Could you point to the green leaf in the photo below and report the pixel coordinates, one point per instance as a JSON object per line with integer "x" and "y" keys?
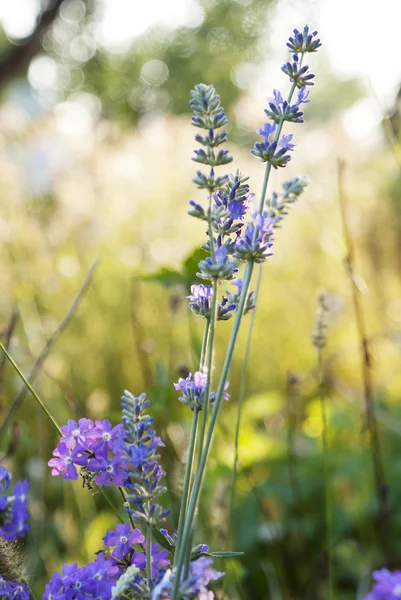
{"x": 190, "y": 266}
{"x": 166, "y": 277}
{"x": 225, "y": 554}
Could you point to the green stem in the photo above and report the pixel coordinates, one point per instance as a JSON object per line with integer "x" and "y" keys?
{"x": 204, "y": 344}
{"x": 215, "y": 413}
{"x": 30, "y": 388}
{"x": 327, "y": 492}
{"x": 208, "y": 359}
{"x": 240, "y": 403}
{"x": 187, "y": 481}
{"x": 191, "y": 449}
{"x": 149, "y": 555}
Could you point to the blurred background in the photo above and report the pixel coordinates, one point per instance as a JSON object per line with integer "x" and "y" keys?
{"x": 95, "y": 162}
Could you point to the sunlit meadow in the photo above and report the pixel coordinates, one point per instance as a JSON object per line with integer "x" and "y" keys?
{"x": 287, "y": 485}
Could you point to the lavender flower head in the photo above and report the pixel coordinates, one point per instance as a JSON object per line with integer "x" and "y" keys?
{"x": 194, "y": 390}
{"x": 193, "y": 586}
{"x": 275, "y": 150}
{"x": 13, "y": 508}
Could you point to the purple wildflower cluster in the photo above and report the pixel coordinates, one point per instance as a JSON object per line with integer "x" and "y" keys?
{"x": 93, "y": 580}
{"x": 194, "y": 390}
{"x": 13, "y": 591}
{"x": 96, "y": 448}
{"x": 200, "y": 301}
{"x": 193, "y": 586}
{"x": 387, "y": 585}
{"x": 13, "y": 514}
{"x": 131, "y": 448}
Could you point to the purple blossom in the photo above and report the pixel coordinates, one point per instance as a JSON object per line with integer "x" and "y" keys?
{"x": 16, "y": 517}
{"x": 110, "y": 470}
{"x": 14, "y": 591}
{"x": 123, "y": 540}
{"x": 159, "y": 561}
{"x": 74, "y": 433}
{"x": 194, "y": 586}
{"x": 387, "y": 585}
{"x": 63, "y": 464}
{"x": 93, "y": 580}
{"x": 267, "y": 130}
{"x": 5, "y": 479}
{"x": 97, "y": 447}
{"x": 105, "y": 436}
{"x": 285, "y": 142}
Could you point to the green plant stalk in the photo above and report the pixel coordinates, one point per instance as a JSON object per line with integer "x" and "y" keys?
{"x": 208, "y": 359}
{"x": 187, "y": 481}
{"x": 149, "y": 553}
{"x": 241, "y": 396}
{"x": 215, "y": 413}
{"x": 30, "y": 388}
{"x": 191, "y": 449}
{"x": 327, "y": 490}
{"x": 208, "y": 356}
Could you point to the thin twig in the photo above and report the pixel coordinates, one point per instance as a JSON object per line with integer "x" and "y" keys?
{"x": 319, "y": 341}
{"x": 366, "y": 365}
{"x": 46, "y": 349}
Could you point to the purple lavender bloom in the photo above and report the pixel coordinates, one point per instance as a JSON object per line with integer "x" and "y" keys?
{"x": 193, "y": 390}
{"x": 110, "y": 470}
{"x": 256, "y": 243}
{"x": 123, "y": 539}
{"x": 280, "y": 110}
{"x": 285, "y": 142}
{"x": 387, "y": 585}
{"x": 74, "y": 433}
{"x": 13, "y": 591}
{"x": 200, "y": 298}
{"x": 5, "y": 478}
{"x": 219, "y": 268}
{"x": 194, "y": 586}
{"x": 93, "y": 580}
{"x": 268, "y": 129}
{"x": 159, "y": 561}
{"x": 63, "y": 464}
{"x": 140, "y": 454}
{"x": 304, "y": 41}
{"x": 105, "y": 436}
{"x": 298, "y": 75}
{"x": 200, "y": 302}
{"x": 14, "y": 515}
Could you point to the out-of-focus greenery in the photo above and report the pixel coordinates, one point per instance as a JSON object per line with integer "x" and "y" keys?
{"x": 75, "y": 186}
